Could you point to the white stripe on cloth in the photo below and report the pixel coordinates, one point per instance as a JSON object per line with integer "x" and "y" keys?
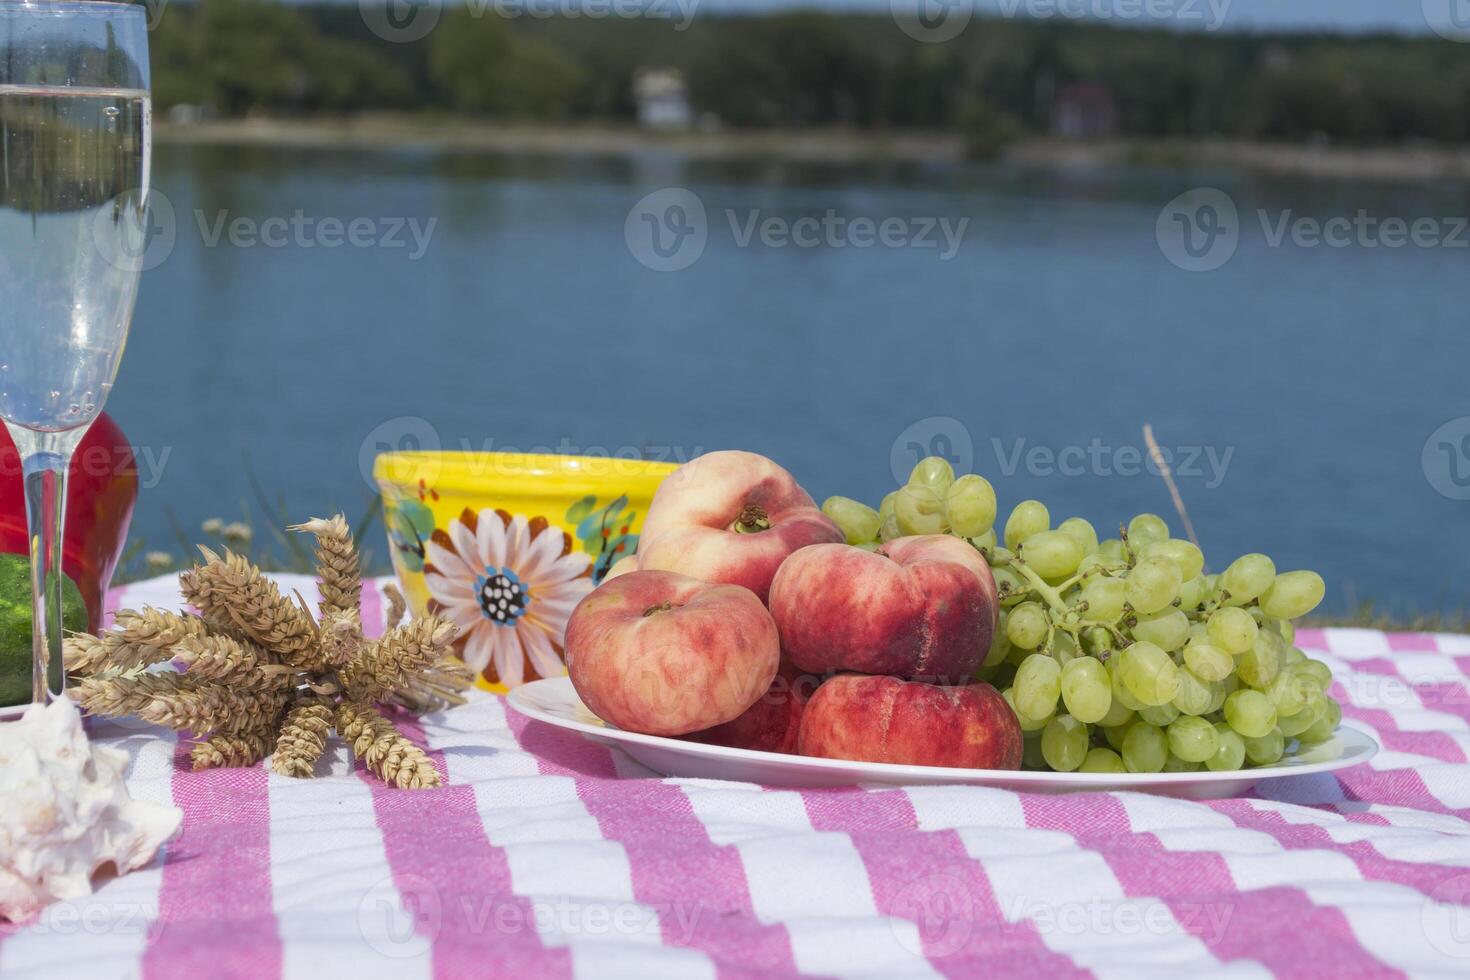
{"x": 831, "y": 919}
{"x": 559, "y": 861}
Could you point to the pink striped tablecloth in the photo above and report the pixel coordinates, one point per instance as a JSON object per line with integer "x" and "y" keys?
{"x": 548, "y": 856}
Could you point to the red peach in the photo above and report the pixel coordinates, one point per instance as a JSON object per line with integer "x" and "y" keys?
{"x": 772, "y": 723}
{"x": 730, "y": 517}
{"x": 665, "y": 654}
{"x": 917, "y": 607}
{"x": 885, "y": 719}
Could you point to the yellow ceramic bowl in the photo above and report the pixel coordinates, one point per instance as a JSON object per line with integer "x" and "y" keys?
{"x": 505, "y": 544}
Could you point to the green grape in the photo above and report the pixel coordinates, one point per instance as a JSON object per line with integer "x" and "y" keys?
{"x": 1115, "y": 734}
{"x": 1305, "y": 717}
{"x": 1326, "y": 724}
{"x": 1185, "y": 554}
{"x": 1230, "y": 755}
{"x": 1208, "y": 662}
{"x": 1145, "y": 748}
{"x": 1286, "y": 630}
{"x": 1121, "y": 694}
{"x": 1149, "y": 674}
{"x": 1104, "y": 597}
{"x": 1293, "y": 655}
{"x": 1064, "y": 743}
{"x": 1176, "y": 764}
{"x": 1027, "y": 624}
{"x": 1318, "y": 672}
{"x": 1028, "y": 724}
{"x": 1267, "y": 749}
{"x": 919, "y": 510}
{"x": 1000, "y": 643}
{"x": 1119, "y": 714}
{"x": 1152, "y": 585}
{"x": 1247, "y": 577}
{"x": 1250, "y": 713}
{"x": 1159, "y": 715}
{"x": 1193, "y": 593}
{"x": 1098, "y": 642}
{"x": 1289, "y": 693}
{"x": 1038, "y": 686}
{"x": 1293, "y": 595}
{"x": 1194, "y": 696}
{"x": 985, "y": 542}
{"x": 1080, "y": 531}
{"x": 1010, "y": 587}
{"x": 858, "y": 521}
{"x": 1114, "y": 551}
{"x": 1102, "y": 760}
{"x": 1031, "y": 754}
{"x": 1167, "y": 629}
{"x": 1052, "y": 554}
{"x": 969, "y": 503}
{"x": 1193, "y": 739}
{"x": 1145, "y": 529}
{"x": 1087, "y": 690}
{"x": 1259, "y": 665}
{"x": 1232, "y": 630}
{"x": 933, "y": 472}
{"x": 1030, "y": 517}
{"x": 1064, "y": 648}
{"x": 889, "y": 529}
{"x": 885, "y": 508}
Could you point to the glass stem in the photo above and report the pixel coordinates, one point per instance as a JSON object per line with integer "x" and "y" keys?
{"x": 45, "y": 459}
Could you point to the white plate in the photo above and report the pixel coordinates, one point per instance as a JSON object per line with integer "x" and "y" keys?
{"x": 555, "y": 702}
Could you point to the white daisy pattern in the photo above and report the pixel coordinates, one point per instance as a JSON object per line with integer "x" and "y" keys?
{"x": 510, "y": 585}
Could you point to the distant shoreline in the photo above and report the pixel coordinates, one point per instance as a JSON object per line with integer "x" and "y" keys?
{"x": 826, "y": 146}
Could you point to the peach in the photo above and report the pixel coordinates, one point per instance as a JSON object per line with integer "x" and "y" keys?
{"x": 885, "y": 719}
{"x": 730, "y": 517}
{"x": 665, "y": 654}
{"x": 624, "y": 565}
{"x": 917, "y": 607}
{"x": 772, "y": 723}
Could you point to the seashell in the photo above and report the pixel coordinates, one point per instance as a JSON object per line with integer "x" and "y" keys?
{"x": 66, "y": 812}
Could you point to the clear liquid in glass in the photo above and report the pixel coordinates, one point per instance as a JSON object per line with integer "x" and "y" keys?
{"x": 73, "y": 232}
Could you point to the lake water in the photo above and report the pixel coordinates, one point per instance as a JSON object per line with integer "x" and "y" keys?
{"x": 1297, "y": 385}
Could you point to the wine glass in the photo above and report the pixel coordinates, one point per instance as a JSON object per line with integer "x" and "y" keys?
{"x": 74, "y": 160}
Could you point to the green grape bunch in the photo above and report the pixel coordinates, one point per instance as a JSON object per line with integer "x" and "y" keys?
{"x": 1124, "y": 654}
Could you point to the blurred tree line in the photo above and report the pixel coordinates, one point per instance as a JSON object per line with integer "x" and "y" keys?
{"x": 999, "y": 79}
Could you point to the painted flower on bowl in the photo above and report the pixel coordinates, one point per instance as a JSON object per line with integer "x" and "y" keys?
{"x": 509, "y": 584}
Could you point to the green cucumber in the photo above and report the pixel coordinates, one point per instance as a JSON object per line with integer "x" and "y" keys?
{"x": 15, "y": 626}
